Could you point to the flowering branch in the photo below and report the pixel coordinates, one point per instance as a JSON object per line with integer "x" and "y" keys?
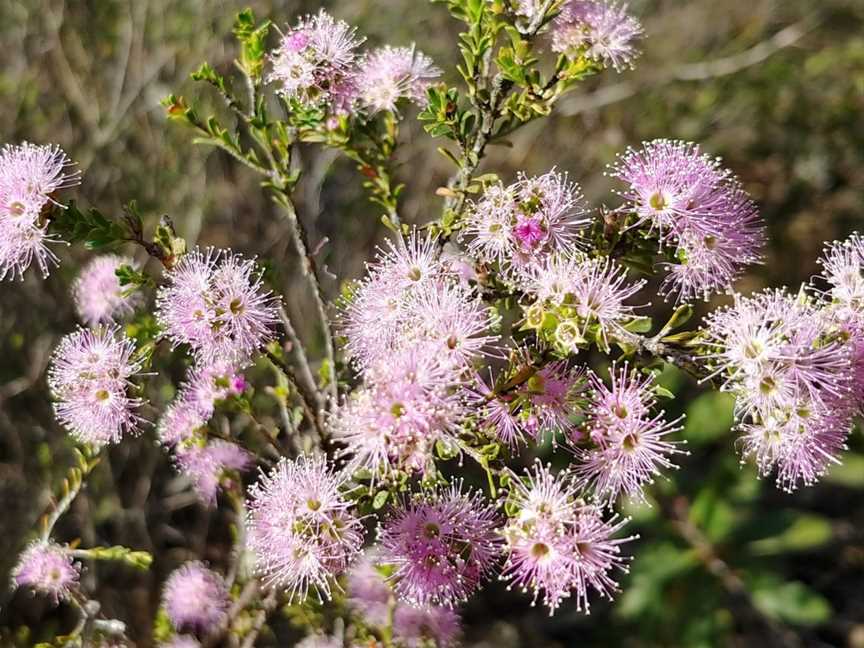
{"x": 474, "y": 335}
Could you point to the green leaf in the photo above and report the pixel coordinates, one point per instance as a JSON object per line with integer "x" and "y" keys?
{"x": 713, "y": 514}
{"x": 380, "y": 499}
{"x": 654, "y": 566}
{"x": 639, "y": 325}
{"x": 91, "y": 227}
{"x": 662, "y": 392}
{"x": 792, "y": 602}
{"x": 253, "y": 46}
{"x": 679, "y": 318}
{"x": 709, "y": 417}
{"x": 805, "y": 532}
{"x": 137, "y": 559}
{"x": 849, "y": 473}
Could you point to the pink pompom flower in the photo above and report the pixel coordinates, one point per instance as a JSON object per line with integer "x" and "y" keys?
{"x": 793, "y": 379}
{"x": 314, "y": 59}
{"x": 602, "y": 30}
{"x": 195, "y": 598}
{"x": 301, "y": 528}
{"x": 99, "y": 297}
{"x": 47, "y": 568}
{"x": 30, "y": 176}
{"x": 215, "y": 302}
{"x": 207, "y": 466}
{"x": 557, "y": 544}
{"x": 442, "y": 545}
{"x": 523, "y": 224}
{"x": 409, "y": 402}
{"x": 629, "y": 444}
{"x": 390, "y": 74}
{"x": 90, "y": 378}
{"x": 697, "y": 208}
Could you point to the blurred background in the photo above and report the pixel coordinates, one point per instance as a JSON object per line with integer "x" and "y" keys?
{"x": 776, "y": 87}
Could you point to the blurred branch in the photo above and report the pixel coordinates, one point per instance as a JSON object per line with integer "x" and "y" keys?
{"x": 268, "y": 606}
{"x": 692, "y": 71}
{"x": 678, "y": 511}
{"x": 39, "y": 356}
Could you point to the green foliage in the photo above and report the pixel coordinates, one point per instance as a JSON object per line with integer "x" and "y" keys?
{"x": 252, "y": 37}
{"x": 709, "y": 417}
{"x": 89, "y": 227}
{"x": 792, "y": 602}
{"x": 138, "y": 559}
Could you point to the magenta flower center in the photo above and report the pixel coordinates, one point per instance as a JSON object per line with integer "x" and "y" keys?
{"x": 297, "y": 41}
{"x": 530, "y": 233}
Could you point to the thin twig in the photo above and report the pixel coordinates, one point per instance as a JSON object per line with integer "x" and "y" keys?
{"x": 312, "y": 413}
{"x": 309, "y": 270}
{"x": 300, "y": 356}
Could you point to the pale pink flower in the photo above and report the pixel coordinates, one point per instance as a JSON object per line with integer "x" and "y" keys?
{"x": 98, "y": 295}
{"x": 390, "y": 74}
{"x": 629, "y": 445}
{"x": 313, "y": 60}
{"x": 47, "y": 568}
{"x": 90, "y": 378}
{"x": 215, "y": 302}
{"x": 557, "y": 545}
{"x": 409, "y": 403}
{"x": 30, "y": 177}
{"x": 527, "y": 222}
{"x": 208, "y": 466}
{"x": 442, "y": 545}
{"x": 301, "y": 528}
{"x": 602, "y": 29}
{"x": 195, "y": 598}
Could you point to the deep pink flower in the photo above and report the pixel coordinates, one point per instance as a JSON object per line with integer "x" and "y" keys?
{"x": 442, "y": 546}
{"x": 523, "y": 224}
